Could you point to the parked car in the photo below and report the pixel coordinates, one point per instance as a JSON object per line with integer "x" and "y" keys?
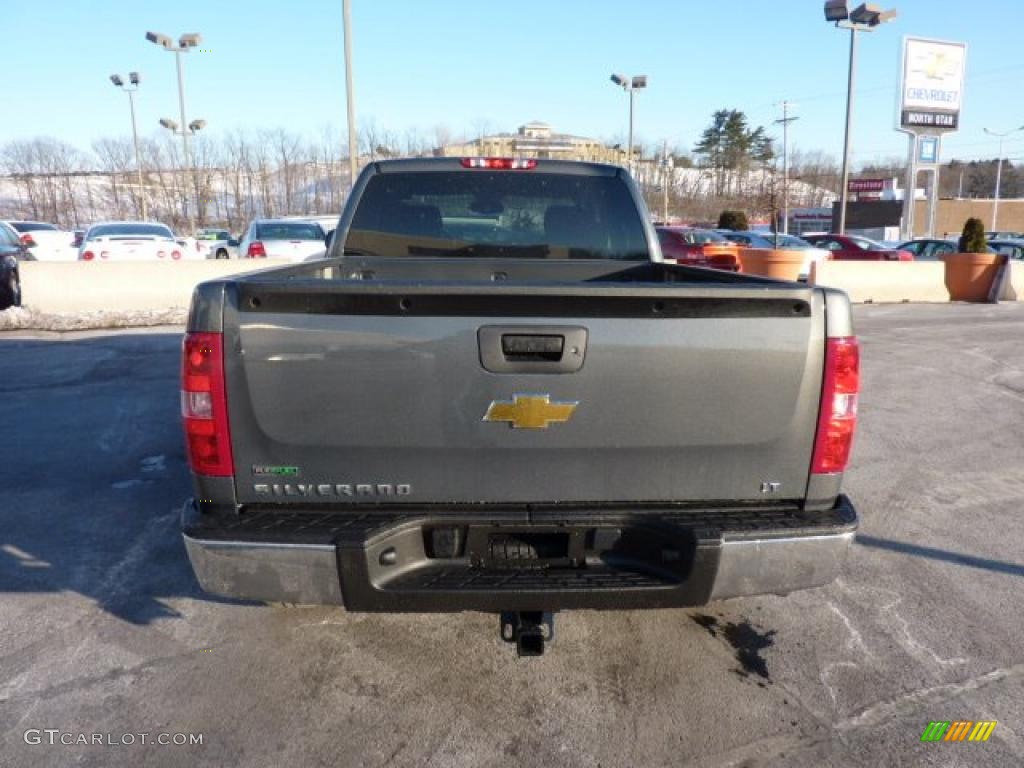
{"x": 46, "y": 241}
{"x": 1014, "y": 248}
{"x": 855, "y": 248}
{"x": 751, "y": 239}
{"x": 13, "y": 251}
{"x": 129, "y": 241}
{"x": 698, "y": 248}
{"x": 291, "y": 239}
{"x": 216, "y": 244}
{"x": 928, "y": 249}
{"x": 1004, "y": 234}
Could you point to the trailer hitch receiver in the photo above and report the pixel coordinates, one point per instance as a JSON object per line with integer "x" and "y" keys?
{"x": 529, "y": 630}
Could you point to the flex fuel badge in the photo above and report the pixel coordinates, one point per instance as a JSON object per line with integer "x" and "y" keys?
{"x": 267, "y": 470}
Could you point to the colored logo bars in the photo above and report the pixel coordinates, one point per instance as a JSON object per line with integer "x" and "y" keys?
{"x": 958, "y": 730}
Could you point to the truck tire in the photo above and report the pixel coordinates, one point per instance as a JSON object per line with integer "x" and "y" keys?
{"x": 222, "y": 253}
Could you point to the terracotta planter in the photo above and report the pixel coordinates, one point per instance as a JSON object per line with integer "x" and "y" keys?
{"x": 781, "y": 263}
{"x": 969, "y": 276}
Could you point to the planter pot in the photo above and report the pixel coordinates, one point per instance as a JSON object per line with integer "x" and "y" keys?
{"x": 781, "y": 263}
{"x": 969, "y": 276}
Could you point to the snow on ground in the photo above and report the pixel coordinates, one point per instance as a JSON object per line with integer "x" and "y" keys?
{"x": 26, "y": 318}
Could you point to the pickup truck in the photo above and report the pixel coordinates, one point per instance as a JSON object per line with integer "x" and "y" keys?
{"x": 493, "y": 395}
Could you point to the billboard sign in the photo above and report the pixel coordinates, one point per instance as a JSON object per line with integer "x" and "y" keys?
{"x": 865, "y": 185}
{"x": 931, "y": 85}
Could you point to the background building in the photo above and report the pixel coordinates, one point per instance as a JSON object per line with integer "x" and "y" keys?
{"x": 536, "y": 139}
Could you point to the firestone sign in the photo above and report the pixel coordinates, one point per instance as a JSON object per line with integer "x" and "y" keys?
{"x": 931, "y": 84}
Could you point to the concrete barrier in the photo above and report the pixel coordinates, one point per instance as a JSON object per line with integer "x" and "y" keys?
{"x": 83, "y": 286}
{"x": 1013, "y": 288}
{"x": 900, "y": 281}
{"x": 884, "y": 281}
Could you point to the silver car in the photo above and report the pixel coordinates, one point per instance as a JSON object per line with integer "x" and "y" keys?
{"x": 282, "y": 239}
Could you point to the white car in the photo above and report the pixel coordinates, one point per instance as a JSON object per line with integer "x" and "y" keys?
{"x": 130, "y": 241}
{"x": 292, "y": 239}
{"x": 215, "y": 244}
{"x": 47, "y": 242}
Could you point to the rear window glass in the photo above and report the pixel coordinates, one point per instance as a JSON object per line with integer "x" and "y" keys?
{"x": 146, "y": 230}
{"x": 513, "y": 214}
{"x": 33, "y": 226}
{"x": 288, "y": 231}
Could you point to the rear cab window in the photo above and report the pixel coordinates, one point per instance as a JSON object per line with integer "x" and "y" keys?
{"x": 514, "y": 214}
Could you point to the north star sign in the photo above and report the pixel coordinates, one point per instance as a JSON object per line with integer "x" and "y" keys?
{"x": 931, "y": 90}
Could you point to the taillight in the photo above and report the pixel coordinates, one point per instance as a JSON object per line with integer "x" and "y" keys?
{"x": 27, "y": 240}
{"x": 204, "y": 405}
{"x": 499, "y": 163}
{"x": 88, "y": 256}
{"x": 256, "y": 250}
{"x": 837, "y": 419}
{"x": 175, "y": 255}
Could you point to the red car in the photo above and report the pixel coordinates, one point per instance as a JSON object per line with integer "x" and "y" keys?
{"x": 698, "y": 248}
{"x": 853, "y": 248}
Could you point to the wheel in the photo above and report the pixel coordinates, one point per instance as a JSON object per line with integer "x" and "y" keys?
{"x": 11, "y": 295}
{"x": 222, "y": 253}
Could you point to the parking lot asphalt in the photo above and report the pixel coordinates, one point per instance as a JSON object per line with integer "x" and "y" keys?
{"x": 103, "y": 629}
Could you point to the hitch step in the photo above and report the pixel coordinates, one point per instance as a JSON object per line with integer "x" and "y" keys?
{"x": 529, "y": 630}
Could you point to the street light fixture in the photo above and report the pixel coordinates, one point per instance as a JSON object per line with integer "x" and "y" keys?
{"x": 134, "y": 79}
{"x": 864, "y": 18}
{"x": 631, "y": 85}
{"x": 999, "y": 170}
{"x": 185, "y": 43}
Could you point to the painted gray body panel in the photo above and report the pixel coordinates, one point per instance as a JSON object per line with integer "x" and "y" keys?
{"x": 684, "y": 409}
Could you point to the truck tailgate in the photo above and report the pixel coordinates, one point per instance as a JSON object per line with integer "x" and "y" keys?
{"x": 686, "y": 393}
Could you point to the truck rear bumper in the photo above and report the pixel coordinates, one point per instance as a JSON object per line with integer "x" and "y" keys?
{"x": 389, "y": 561}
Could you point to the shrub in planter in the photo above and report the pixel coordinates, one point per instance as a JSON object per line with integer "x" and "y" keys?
{"x": 734, "y": 220}
{"x": 969, "y": 274}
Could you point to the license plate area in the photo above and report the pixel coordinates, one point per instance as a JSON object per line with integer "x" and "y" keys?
{"x": 502, "y": 548}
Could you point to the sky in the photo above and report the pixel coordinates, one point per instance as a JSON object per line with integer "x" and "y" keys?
{"x": 475, "y": 66}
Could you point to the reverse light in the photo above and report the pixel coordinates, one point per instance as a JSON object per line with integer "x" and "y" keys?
{"x": 204, "y": 405}
{"x": 500, "y": 163}
{"x": 256, "y": 250}
{"x": 837, "y": 419}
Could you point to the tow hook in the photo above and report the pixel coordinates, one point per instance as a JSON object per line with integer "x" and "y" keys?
{"x": 529, "y": 630}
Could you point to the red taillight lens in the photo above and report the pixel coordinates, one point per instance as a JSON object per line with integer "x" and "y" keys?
{"x": 837, "y": 419}
{"x": 204, "y": 405}
{"x": 27, "y": 240}
{"x": 499, "y": 163}
{"x": 256, "y": 250}
{"x": 88, "y": 256}
{"x": 175, "y": 255}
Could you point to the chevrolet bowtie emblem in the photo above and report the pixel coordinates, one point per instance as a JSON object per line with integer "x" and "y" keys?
{"x": 530, "y": 411}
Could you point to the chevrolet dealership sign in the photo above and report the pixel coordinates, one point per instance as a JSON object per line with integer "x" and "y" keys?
{"x": 931, "y": 85}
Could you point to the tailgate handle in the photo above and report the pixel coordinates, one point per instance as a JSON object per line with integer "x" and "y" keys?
{"x": 532, "y": 347}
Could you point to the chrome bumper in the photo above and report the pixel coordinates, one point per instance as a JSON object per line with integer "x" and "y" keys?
{"x": 311, "y": 574}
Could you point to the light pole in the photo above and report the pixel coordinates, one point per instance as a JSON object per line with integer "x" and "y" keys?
{"x": 350, "y": 96}
{"x": 864, "y": 18}
{"x": 785, "y": 120}
{"x": 191, "y": 130}
{"x": 133, "y": 78}
{"x": 631, "y": 85}
{"x": 999, "y": 170}
{"x": 185, "y": 43}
